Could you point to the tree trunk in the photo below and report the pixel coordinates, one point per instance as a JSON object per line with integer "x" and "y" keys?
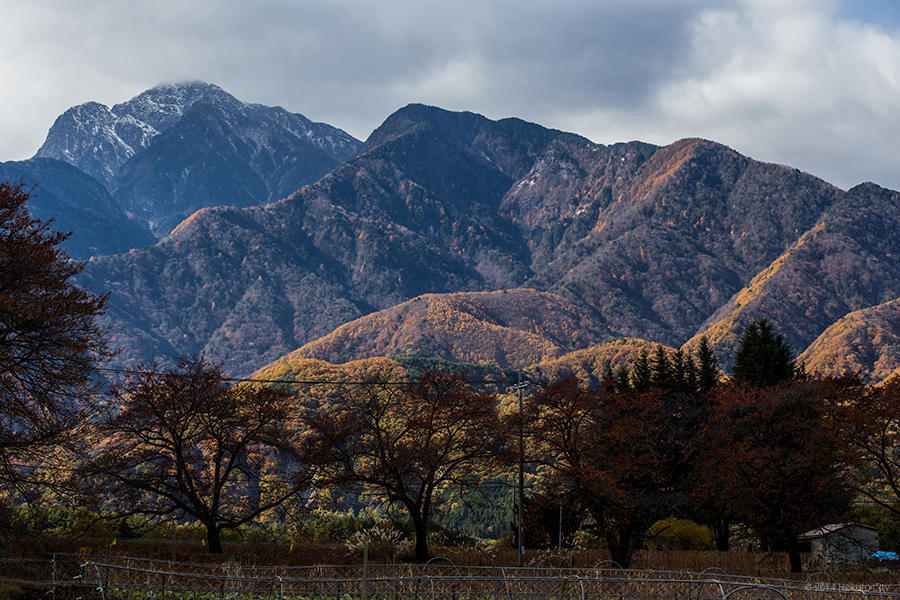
{"x": 619, "y": 545}
{"x": 721, "y": 531}
{"x": 421, "y": 527}
{"x": 213, "y": 539}
{"x": 794, "y": 556}
{"x": 620, "y": 554}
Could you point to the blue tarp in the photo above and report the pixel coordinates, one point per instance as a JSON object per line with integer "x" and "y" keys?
{"x": 883, "y": 555}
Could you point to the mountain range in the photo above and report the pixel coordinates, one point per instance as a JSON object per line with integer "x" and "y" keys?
{"x": 453, "y": 235}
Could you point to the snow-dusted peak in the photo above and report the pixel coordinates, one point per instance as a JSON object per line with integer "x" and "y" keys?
{"x": 90, "y": 137}
{"x": 88, "y": 110}
{"x": 162, "y": 106}
{"x": 332, "y": 140}
{"x": 99, "y": 140}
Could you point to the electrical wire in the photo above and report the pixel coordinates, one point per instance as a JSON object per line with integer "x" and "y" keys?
{"x": 315, "y": 381}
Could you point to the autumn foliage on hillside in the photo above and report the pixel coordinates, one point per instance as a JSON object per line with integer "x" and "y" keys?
{"x": 507, "y": 328}
{"x": 866, "y": 341}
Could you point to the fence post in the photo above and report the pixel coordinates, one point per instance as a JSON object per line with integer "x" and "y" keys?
{"x": 365, "y": 568}
{"x": 280, "y": 587}
{"x": 53, "y": 577}
{"x": 100, "y": 582}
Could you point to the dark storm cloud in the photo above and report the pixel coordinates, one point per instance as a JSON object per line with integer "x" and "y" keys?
{"x": 813, "y": 83}
{"x": 353, "y": 62}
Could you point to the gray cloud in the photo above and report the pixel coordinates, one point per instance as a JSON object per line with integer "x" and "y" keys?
{"x": 797, "y": 82}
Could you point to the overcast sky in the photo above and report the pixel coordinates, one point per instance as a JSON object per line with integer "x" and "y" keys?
{"x": 811, "y": 83}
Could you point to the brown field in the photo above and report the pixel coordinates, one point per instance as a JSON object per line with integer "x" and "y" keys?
{"x": 259, "y": 553}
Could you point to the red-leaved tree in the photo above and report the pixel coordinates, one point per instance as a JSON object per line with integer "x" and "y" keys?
{"x": 773, "y": 459}
{"x": 50, "y": 342}
{"x": 184, "y": 443}
{"x": 872, "y": 430}
{"x": 609, "y": 451}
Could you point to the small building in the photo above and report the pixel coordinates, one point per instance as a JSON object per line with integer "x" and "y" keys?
{"x": 840, "y": 543}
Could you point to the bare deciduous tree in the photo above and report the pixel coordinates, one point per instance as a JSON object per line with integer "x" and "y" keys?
{"x": 184, "y": 443}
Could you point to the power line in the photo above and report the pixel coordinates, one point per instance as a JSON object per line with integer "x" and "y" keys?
{"x": 313, "y": 381}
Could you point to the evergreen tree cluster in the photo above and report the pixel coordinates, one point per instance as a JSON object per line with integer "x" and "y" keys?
{"x": 675, "y": 371}
{"x": 764, "y": 358}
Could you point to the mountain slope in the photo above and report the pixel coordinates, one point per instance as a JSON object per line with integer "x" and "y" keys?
{"x": 655, "y": 240}
{"x": 647, "y": 241}
{"x": 78, "y": 203}
{"x": 846, "y": 262}
{"x": 92, "y": 138}
{"x": 865, "y": 341}
{"x": 413, "y": 215}
{"x": 509, "y": 328}
{"x": 98, "y": 140}
{"x": 226, "y": 153}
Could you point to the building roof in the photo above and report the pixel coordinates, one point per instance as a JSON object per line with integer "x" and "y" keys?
{"x": 830, "y": 529}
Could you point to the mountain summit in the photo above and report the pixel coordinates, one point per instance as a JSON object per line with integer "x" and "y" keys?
{"x": 176, "y": 148}
{"x": 98, "y": 140}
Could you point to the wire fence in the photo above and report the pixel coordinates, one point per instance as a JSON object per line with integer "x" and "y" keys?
{"x": 69, "y": 577}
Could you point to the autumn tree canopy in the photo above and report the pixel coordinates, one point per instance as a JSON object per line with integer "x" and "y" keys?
{"x": 871, "y": 424}
{"x": 773, "y": 458}
{"x": 607, "y": 450}
{"x": 409, "y": 442}
{"x": 184, "y": 443}
{"x": 50, "y": 342}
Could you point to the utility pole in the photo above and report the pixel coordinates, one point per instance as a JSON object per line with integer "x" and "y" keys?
{"x": 559, "y": 545}
{"x": 520, "y": 387}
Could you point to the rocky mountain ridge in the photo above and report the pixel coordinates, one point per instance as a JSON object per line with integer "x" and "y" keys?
{"x": 290, "y": 229}
{"x": 844, "y": 263}
{"x": 98, "y": 139}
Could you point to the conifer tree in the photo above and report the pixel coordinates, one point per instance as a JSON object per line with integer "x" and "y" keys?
{"x": 708, "y": 369}
{"x": 661, "y": 377}
{"x": 763, "y": 358}
{"x": 641, "y": 376}
{"x": 691, "y": 377}
{"x": 678, "y": 379}
{"x": 622, "y": 384}
{"x": 609, "y": 378}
